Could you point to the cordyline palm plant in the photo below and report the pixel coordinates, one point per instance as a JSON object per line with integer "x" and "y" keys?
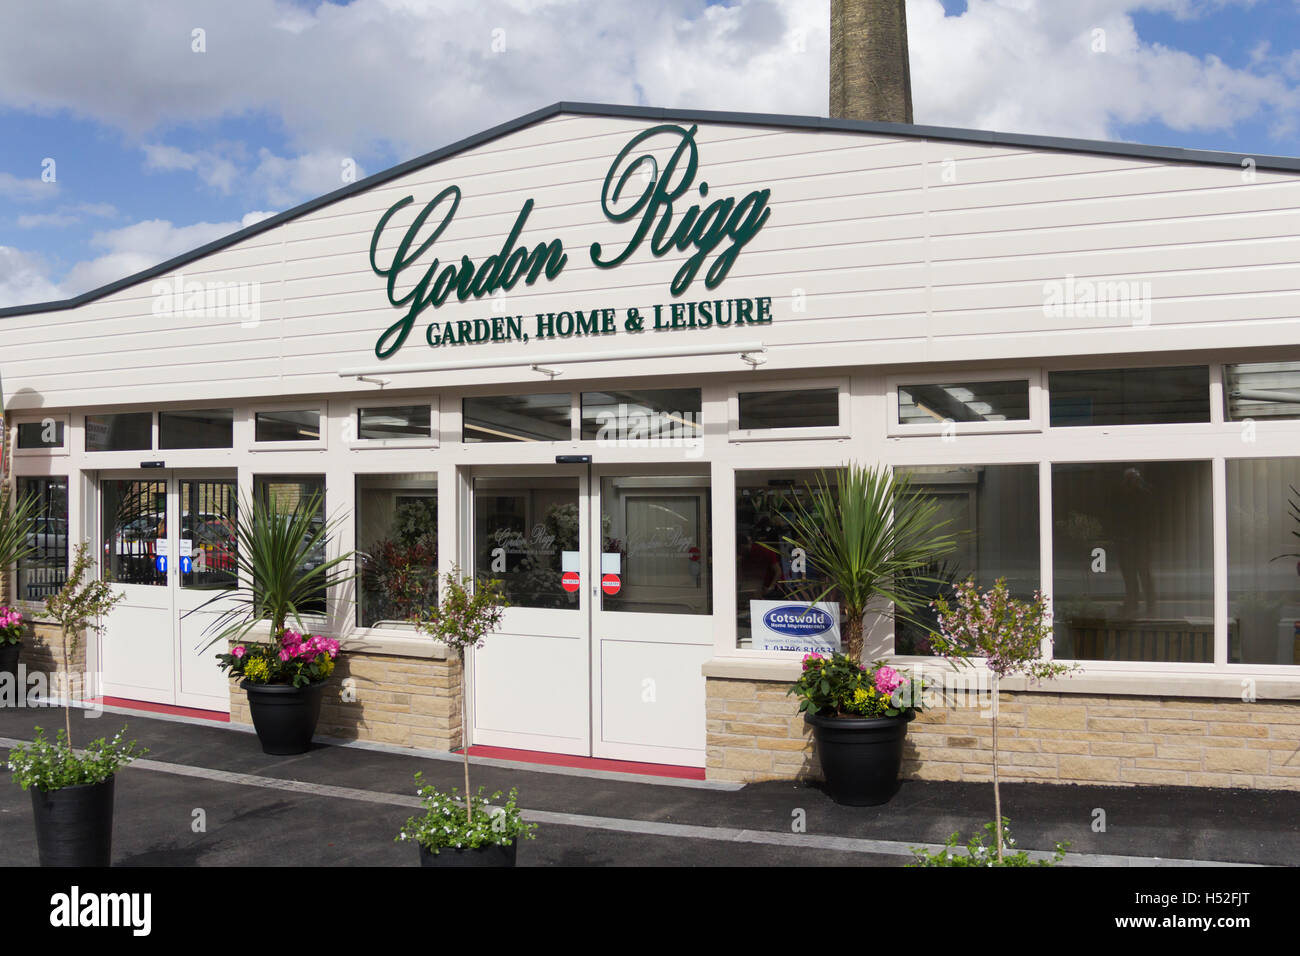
{"x": 872, "y": 538}
{"x": 15, "y": 527}
{"x": 275, "y": 552}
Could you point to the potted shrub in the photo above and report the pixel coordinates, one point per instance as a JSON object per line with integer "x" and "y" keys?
{"x": 873, "y": 540}
{"x": 453, "y": 831}
{"x": 859, "y": 716}
{"x": 72, "y": 791}
{"x": 15, "y": 544}
{"x": 282, "y": 573}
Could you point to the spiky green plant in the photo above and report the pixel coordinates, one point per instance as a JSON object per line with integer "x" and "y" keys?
{"x": 16, "y": 518}
{"x": 872, "y": 539}
{"x": 278, "y": 579}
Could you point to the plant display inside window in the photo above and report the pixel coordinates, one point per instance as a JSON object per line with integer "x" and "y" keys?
{"x": 399, "y": 572}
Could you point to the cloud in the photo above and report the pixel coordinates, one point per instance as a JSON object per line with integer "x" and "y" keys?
{"x": 24, "y": 278}
{"x": 24, "y": 190}
{"x": 67, "y": 215}
{"x": 218, "y": 166}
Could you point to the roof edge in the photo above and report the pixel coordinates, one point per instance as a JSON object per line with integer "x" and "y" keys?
{"x": 721, "y": 117}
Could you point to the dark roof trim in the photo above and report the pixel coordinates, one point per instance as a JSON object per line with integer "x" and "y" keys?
{"x": 807, "y": 123}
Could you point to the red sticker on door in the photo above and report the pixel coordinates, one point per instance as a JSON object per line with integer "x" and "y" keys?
{"x": 570, "y": 581}
{"x": 611, "y": 584}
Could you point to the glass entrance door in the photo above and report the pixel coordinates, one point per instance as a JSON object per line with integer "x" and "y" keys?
{"x": 168, "y": 545}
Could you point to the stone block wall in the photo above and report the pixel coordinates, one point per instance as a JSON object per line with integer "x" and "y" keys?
{"x": 404, "y": 701}
{"x": 755, "y": 734}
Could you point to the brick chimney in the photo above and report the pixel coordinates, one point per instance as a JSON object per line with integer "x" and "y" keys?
{"x": 870, "y": 78}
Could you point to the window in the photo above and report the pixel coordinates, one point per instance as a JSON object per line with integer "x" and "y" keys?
{"x": 1264, "y": 561}
{"x": 44, "y": 571}
{"x": 1134, "y": 561}
{"x": 133, "y": 522}
{"x": 1262, "y": 391}
{"x": 657, "y": 539}
{"x": 297, "y": 426}
{"x": 394, "y": 422}
{"x": 206, "y": 428}
{"x": 1135, "y": 396}
{"x": 768, "y": 572}
{"x": 646, "y": 415}
{"x": 788, "y": 408}
{"x": 47, "y": 433}
{"x": 1003, "y": 401}
{"x": 286, "y": 493}
{"x": 517, "y": 418}
{"x": 397, "y": 547}
{"x": 993, "y": 511}
{"x": 526, "y": 536}
{"x": 129, "y": 432}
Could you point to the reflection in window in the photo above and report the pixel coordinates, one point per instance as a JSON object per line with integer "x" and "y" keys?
{"x": 129, "y": 432}
{"x": 793, "y": 408}
{"x": 1262, "y": 391}
{"x": 1134, "y": 563}
{"x": 209, "y": 517}
{"x": 397, "y": 547}
{"x": 655, "y": 538}
{"x": 44, "y": 434}
{"x": 517, "y": 418}
{"x": 645, "y": 415}
{"x": 765, "y": 566}
{"x": 134, "y": 524}
{"x": 396, "y": 421}
{"x": 993, "y": 511}
{"x": 285, "y": 494}
{"x": 963, "y": 402}
{"x": 205, "y": 428}
{"x": 1264, "y": 561}
{"x": 287, "y": 426}
{"x": 44, "y": 571}
{"x": 1131, "y": 396}
{"x": 523, "y": 529}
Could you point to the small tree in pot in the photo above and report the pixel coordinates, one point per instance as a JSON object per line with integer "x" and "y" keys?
{"x": 454, "y": 831}
{"x": 872, "y": 539}
{"x": 283, "y": 573}
{"x": 72, "y": 791}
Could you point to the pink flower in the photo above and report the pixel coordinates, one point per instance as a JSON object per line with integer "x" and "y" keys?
{"x": 240, "y": 651}
{"x": 888, "y": 680}
{"x": 285, "y": 654}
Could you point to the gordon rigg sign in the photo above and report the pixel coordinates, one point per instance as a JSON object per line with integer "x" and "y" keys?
{"x": 717, "y": 227}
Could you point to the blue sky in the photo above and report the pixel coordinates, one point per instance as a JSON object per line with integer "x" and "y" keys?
{"x": 159, "y": 147}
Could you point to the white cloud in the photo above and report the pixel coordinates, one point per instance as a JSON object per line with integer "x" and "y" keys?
{"x": 24, "y": 279}
{"x": 66, "y": 215}
{"x": 11, "y": 187}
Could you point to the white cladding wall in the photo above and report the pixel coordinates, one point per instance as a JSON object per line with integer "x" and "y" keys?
{"x": 878, "y": 251}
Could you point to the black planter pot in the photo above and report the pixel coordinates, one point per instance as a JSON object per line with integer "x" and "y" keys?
{"x": 860, "y": 756}
{"x": 74, "y": 825}
{"x": 492, "y": 855}
{"x": 9, "y": 665}
{"x": 284, "y": 716}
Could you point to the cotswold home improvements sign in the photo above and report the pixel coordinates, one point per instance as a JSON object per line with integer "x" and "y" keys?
{"x": 723, "y": 225}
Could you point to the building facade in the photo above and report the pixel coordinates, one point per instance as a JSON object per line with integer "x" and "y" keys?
{"x": 594, "y": 352}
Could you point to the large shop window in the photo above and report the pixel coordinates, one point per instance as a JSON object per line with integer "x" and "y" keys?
{"x": 524, "y": 531}
{"x": 287, "y": 492}
{"x": 132, "y": 431}
{"x": 1264, "y": 561}
{"x": 397, "y": 547}
{"x": 1262, "y": 391}
{"x": 1131, "y": 396}
{"x": 993, "y": 511}
{"x": 769, "y": 572}
{"x": 646, "y": 415}
{"x": 44, "y": 571}
{"x": 1133, "y": 544}
{"x": 204, "y": 428}
{"x": 499, "y": 418}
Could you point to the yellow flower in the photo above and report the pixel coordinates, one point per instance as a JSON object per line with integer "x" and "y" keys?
{"x": 256, "y": 670}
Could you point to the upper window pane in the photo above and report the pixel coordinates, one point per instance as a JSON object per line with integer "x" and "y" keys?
{"x": 1133, "y": 574}
{"x": 641, "y": 415}
{"x": 517, "y": 418}
{"x": 1264, "y": 561}
{"x": 1264, "y": 390}
{"x": 396, "y": 421}
{"x": 129, "y": 432}
{"x": 799, "y": 408}
{"x": 1132, "y": 396}
{"x": 288, "y": 426}
{"x": 397, "y": 547}
{"x": 964, "y": 402}
{"x": 205, "y": 428}
{"x": 44, "y": 434}
{"x": 44, "y": 571}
